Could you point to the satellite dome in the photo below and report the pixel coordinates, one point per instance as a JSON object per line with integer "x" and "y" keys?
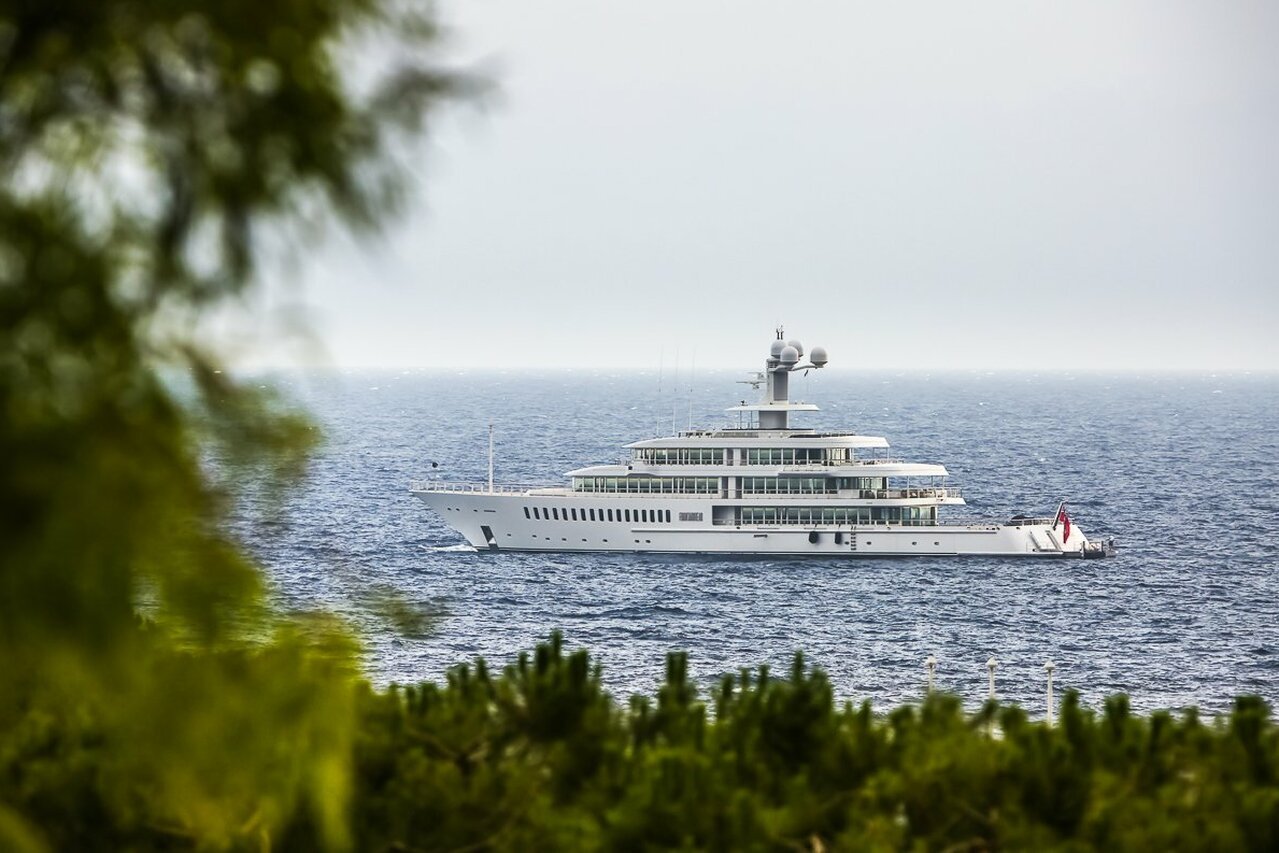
{"x": 789, "y": 355}
{"x": 818, "y": 356}
{"x": 799, "y": 348}
{"x": 776, "y": 350}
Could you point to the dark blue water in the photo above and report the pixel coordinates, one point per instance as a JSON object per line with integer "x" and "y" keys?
{"x": 1180, "y": 469}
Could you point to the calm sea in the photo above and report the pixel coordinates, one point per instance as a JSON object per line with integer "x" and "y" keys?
{"x": 1181, "y": 470}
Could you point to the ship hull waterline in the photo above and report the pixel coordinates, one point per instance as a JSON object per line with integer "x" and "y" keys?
{"x": 499, "y": 522}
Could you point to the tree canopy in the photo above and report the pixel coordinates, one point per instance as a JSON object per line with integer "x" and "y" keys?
{"x": 147, "y": 148}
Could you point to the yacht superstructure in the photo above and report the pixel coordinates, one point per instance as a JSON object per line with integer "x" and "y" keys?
{"x": 762, "y": 487}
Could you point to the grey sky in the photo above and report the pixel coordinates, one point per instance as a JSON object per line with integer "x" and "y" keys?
{"x": 1015, "y": 184}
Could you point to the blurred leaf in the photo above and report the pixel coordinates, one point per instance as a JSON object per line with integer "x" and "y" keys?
{"x": 410, "y": 619}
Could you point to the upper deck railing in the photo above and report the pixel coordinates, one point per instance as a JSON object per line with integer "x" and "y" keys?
{"x": 735, "y": 494}
{"x": 479, "y": 488}
{"x": 855, "y": 494}
{"x": 784, "y": 466}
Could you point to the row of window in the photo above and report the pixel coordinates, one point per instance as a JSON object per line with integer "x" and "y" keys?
{"x": 809, "y": 485}
{"x": 908, "y": 515}
{"x": 754, "y": 455}
{"x": 680, "y": 455}
{"x": 794, "y": 455}
{"x": 648, "y": 485}
{"x": 788, "y": 485}
{"x": 641, "y": 516}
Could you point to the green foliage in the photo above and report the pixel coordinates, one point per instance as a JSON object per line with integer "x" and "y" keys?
{"x": 147, "y": 148}
{"x": 148, "y": 698}
{"x": 408, "y": 618}
{"x": 538, "y": 757}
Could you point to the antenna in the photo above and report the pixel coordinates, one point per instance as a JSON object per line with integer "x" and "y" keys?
{"x": 692, "y": 373}
{"x": 661, "y": 362}
{"x": 675, "y": 397}
{"x": 490, "y": 457}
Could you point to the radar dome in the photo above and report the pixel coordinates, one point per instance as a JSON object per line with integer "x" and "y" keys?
{"x": 776, "y": 350}
{"x": 799, "y": 348}
{"x": 818, "y": 356}
{"x": 789, "y": 355}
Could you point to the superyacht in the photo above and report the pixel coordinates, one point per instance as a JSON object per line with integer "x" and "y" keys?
{"x": 760, "y": 487}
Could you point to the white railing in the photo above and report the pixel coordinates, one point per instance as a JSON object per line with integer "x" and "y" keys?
{"x": 483, "y": 488}
{"x": 857, "y": 494}
{"x": 613, "y": 493}
{"x": 783, "y": 466}
{"x": 737, "y": 494}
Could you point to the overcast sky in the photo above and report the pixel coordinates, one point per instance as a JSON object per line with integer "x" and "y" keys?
{"x": 952, "y": 185}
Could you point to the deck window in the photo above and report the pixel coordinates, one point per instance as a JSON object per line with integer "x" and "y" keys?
{"x": 680, "y": 455}
{"x": 906, "y": 516}
{"x": 787, "y": 485}
{"x": 648, "y": 485}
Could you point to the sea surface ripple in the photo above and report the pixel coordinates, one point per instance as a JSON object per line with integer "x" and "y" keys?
{"x": 1180, "y": 469}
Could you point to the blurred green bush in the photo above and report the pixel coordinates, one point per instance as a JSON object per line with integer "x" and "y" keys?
{"x": 149, "y": 700}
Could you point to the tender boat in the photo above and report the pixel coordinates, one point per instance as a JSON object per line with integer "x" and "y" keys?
{"x": 761, "y": 487}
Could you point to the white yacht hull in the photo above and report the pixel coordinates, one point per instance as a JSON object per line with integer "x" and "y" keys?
{"x": 498, "y": 521}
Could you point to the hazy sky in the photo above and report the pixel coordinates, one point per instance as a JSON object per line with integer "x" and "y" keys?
{"x": 951, "y": 185}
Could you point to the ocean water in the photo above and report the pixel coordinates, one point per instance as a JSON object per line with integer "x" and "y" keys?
{"x": 1180, "y": 469}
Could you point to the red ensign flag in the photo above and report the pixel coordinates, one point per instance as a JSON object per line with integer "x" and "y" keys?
{"x": 1064, "y": 521}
